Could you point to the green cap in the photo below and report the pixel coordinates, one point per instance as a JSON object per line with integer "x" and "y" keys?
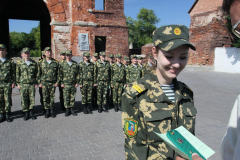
{"x": 139, "y": 57}
{"x": 2, "y": 46}
{"x": 62, "y": 52}
{"x": 102, "y": 54}
{"x": 95, "y": 54}
{"x": 150, "y": 56}
{"x": 43, "y": 53}
{"x": 68, "y": 52}
{"x": 26, "y": 49}
{"x": 111, "y": 56}
{"x": 118, "y": 55}
{"x": 133, "y": 56}
{"x": 126, "y": 58}
{"x": 48, "y": 49}
{"x": 171, "y": 36}
{"x": 86, "y": 54}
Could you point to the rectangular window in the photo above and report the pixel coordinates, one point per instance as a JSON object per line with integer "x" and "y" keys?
{"x": 100, "y": 5}
{"x": 100, "y": 44}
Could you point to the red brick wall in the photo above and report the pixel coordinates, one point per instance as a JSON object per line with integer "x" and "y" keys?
{"x": 206, "y": 6}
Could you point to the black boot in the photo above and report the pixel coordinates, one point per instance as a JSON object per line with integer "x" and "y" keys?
{"x": 89, "y": 108}
{"x": 73, "y": 112}
{"x": 85, "y": 109}
{"x": 99, "y": 109}
{"x": 116, "y": 107}
{"x": 47, "y": 114}
{"x": 67, "y": 113}
{"x": 8, "y": 119}
{"x": 26, "y": 116}
{"x": 53, "y": 115}
{"x": 105, "y": 108}
{"x": 2, "y": 117}
{"x": 32, "y": 114}
{"x": 119, "y": 107}
{"x": 43, "y": 110}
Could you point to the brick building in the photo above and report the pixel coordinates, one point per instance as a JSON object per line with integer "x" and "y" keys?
{"x": 207, "y": 31}
{"x": 66, "y": 23}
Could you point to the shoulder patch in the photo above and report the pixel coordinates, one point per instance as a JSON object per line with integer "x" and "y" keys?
{"x": 130, "y": 127}
{"x": 135, "y": 89}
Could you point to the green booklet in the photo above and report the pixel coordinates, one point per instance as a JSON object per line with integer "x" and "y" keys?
{"x": 185, "y": 143}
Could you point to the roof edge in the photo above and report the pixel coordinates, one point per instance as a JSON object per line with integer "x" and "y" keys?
{"x": 190, "y": 10}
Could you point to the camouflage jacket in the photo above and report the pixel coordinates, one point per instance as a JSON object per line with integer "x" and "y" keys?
{"x": 7, "y": 71}
{"x": 118, "y": 74}
{"x": 147, "y": 69}
{"x": 102, "y": 72}
{"x": 26, "y": 74}
{"x": 141, "y": 69}
{"x": 69, "y": 74}
{"x": 48, "y": 72}
{"x": 146, "y": 109}
{"x": 86, "y": 72}
{"x": 133, "y": 74}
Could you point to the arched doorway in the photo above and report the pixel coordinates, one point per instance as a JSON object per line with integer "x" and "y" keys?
{"x": 27, "y": 10}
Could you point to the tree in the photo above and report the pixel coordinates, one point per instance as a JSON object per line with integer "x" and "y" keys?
{"x": 140, "y": 30}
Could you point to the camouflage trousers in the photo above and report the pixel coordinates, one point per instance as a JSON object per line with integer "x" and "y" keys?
{"x": 48, "y": 91}
{"x": 117, "y": 92}
{"x": 102, "y": 89}
{"x": 69, "y": 94}
{"x": 61, "y": 95}
{"x": 27, "y": 96}
{"x": 5, "y": 97}
{"x": 41, "y": 96}
{"x": 86, "y": 92}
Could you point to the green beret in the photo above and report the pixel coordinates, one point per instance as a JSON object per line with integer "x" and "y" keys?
{"x": 2, "y": 46}
{"x": 102, "y": 54}
{"x": 48, "y": 49}
{"x": 133, "y": 56}
{"x": 69, "y": 52}
{"x": 26, "y": 49}
{"x": 86, "y": 54}
{"x": 171, "y": 36}
{"x": 62, "y": 52}
{"x": 150, "y": 56}
{"x": 111, "y": 56}
{"x": 118, "y": 55}
{"x": 139, "y": 57}
{"x": 95, "y": 54}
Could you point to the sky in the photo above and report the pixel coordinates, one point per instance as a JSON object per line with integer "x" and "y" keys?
{"x": 169, "y": 12}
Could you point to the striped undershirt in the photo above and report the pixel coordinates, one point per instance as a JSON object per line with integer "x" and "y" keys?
{"x": 169, "y": 91}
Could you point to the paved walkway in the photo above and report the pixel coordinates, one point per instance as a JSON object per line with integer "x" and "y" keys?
{"x": 99, "y": 136}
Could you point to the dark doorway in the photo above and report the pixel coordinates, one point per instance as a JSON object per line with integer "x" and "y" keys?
{"x": 100, "y": 44}
{"x": 26, "y": 10}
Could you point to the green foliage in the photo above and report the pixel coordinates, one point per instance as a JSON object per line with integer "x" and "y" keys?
{"x": 35, "y": 53}
{"x": 21, "y": 40}
{"x": 140, "y": 30}
{"x": 236, "y": 40}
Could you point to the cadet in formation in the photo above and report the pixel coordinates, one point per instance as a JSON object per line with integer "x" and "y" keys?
{"x": 48, "y": 80}
{"x": 133, "y": 71}
{"x": 63, "y": 58}
{"x": 140, "y": 64}
{"x": 118, "y": 79}
{"x": 26, "y": 81}
{"x": 148, "y": 66}
{"x": 86, "y": 73}
{"x": 69, "y": 82}
{"x": 7, "y": 82}
{"x": 159, "y": 102}
{"x": 102, "y": 77}
{"x": 94, "y": 95}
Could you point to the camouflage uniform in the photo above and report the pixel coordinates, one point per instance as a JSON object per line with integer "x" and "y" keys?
{"x": 110, "y": 90}
{"x": 146, "y": 67}
{"x": 133, "y": 73}
{"x": 40, "y": 89}
{"x": 26, "y": 79}
{"x": 48, "y": 77}
{"x": 102, "y": 77}
{"x": 60, "y": 88}
{"x": 140, "y": 66}
{"x": 118, "y": 79}
{"x": 146, "y": 109}
{"x": 86, "y": 73}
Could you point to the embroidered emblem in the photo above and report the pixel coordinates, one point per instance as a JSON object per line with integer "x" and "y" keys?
{"x": 138, "y": 88}
{"x": 177, "y": 31}
{"x": 130, "y": 127}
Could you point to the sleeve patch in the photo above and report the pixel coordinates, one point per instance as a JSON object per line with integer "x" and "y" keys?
{"x": 130, "y": 127}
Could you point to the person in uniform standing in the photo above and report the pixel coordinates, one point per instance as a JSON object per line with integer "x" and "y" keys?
{"x": 159, "y": 102}
{"x": 94, "y": 95}
{"x": 118, "y": 79}
{"x": 7, "y": 83}
{"x": 147, "y": 67}
{"x": 126, "y": 61}
{"x": 48, "y": 80}
{"x": 86, "y": 73}
{"x": 26, "y": 74}
{"x": 133, "y": 71}
{"x": 63, "y": 58}
{"x": 69, "y": 79}
{"x": 140, "y": 64}
{"x": 40, "y": 89}
{"x": 102, "y": 77}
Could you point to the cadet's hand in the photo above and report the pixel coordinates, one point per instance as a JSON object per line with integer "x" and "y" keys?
{"x": 19, "y": 87}
{"x": 56, "y": 85}
{"x": 40, "y": 85}
{"x": 13, "y": 85}
{"x": 36, "y": 85}
{"x": 62, "y": 85}
{"x": 76, "y": 85}
{"x": 179, "y": 158}
{"x": 195, "y": 156}
{"x": 95, "y": 85}
{"x": 80, "y": 86}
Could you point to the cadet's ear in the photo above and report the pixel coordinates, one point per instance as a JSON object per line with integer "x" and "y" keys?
{"x": 155, "y": 52}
